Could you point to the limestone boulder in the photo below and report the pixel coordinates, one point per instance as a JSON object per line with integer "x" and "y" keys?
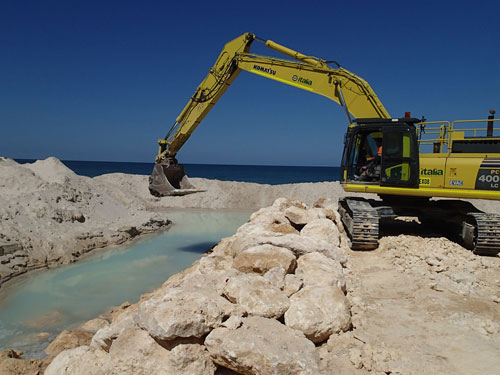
{"x": 262, "y": 258}
{"x": 119, "y": 312}
{"x": 319, "y": 312}
{"x": 273, "y": 220}
{"x": 207, "y": 279}
{"x": 301, "y": 245}
{"x": 324, "y": 229}
{"x": 94, "y": 325}
{"x": 332, "y": 207}
{"x": 327, "y": 204}
{"x": 276, "y": 276}
{"x": 105, "y": 336}
{"x": 263, "y": 346}
{"x": 233, "y": 322}
{"x": 191, "y": 359}
{"x": 13, "y": 363}
{"x": 253, "y": 234}
{"x": 223, "y": 249}
{"x": 301, "y": 216}
{"x": 292, "y": 284}
{"x": 136, "y": 352}
{"x": 83, "y": 360}
{"x": 267, "y": 215}
{"x": 317, "y": 269}
{"x": 68, "y": 340}
{"x": 282, "y": 228}
{"x": 256, "y": 295}
{"x": 298, "y": 244}
{"x": 215, "y": 262}
{"x": 247, "y": 236}
{"x": 338, "y": 254}
{"x": 183, "y": 312}
{"x": 281, "y": 204}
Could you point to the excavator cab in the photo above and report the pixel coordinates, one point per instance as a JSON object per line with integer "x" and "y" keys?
{"x": 381, "y": 152}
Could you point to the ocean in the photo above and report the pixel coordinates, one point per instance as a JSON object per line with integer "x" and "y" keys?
{"x": 262, "y": 174}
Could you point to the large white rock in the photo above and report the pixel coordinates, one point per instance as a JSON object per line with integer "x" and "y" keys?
{"x": 319, "y": 311}
{"x": 94, "y": 325}
{"x": 191, "y": 359}
{"x": 273, "y": 220}
{"x": 262, "y": 258}
{"x": 250, "y": 235}
{"x": 183, "y": 312}
{"x": 263, "y": 346}
{"x": 256, "y": 295}
{"x": 254, "y": 234}
{"x": 104, "y": 337}
{"x": 300, "y": 245}
{"x": 68, "y": 340}
{"x": 338, "y": 254}
{"x": 135, "y": 352}
{"x": 82, "y": 360}
{"x": 215, "y": 261}
{"x": 206, "y": 278}
{"x": 281, "y": 204}
{"x": 300, "y": 216}
{"x": 292, "y": 284}
{"x": 247, "y": 236}
{"x": 317, "y": 269}
{"x": 322, "y": 228}
{"x": 276, "y": 276}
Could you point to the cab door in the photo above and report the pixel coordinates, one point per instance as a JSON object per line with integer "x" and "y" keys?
{"x": 399, "y": 165}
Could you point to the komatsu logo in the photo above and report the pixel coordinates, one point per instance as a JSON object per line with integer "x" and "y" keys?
{"x": 431, "y": 172}
{"x": 296, "y": 78}
{"x": 265, "y": 70}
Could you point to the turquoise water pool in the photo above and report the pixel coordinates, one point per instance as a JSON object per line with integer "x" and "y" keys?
{"x": 37, "y": 308}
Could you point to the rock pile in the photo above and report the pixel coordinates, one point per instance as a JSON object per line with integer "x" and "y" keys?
{"x": 278, "y": 297}
{"x": 259, "y": 303}
{"x": 49, "y": 215}
{"x": 445, "y": 265}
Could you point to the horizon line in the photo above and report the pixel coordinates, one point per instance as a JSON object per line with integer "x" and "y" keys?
{"x": 215, "y": 164}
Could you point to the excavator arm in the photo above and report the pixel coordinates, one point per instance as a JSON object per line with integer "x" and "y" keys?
{"x": 304, "y": 72}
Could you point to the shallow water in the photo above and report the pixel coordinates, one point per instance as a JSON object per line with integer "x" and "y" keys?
{"x": 37, "y": 308}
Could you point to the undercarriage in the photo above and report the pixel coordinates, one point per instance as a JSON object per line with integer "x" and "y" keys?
{"x": 457, "y": 219}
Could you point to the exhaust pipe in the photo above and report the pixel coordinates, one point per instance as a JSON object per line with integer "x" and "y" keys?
{"x": 169, "y": 179}
{"x": 489, "y": 130}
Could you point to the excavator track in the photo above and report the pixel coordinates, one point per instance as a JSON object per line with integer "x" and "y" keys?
{"x": 361, "y": 222}
{"x": 487, "y": 233}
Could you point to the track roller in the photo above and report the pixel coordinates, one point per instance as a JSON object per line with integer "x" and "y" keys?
{"x": 361, "y": 222}
{"x": 481, "y": 233}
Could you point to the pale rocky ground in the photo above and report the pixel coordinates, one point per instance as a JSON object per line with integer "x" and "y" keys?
{"x": 49, "y": 215}
{"x": 285, "y": 295}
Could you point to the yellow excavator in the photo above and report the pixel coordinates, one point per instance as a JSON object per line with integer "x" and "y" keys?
{"x": 405, "y": 161}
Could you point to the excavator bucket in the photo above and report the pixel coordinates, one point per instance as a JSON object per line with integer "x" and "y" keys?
{"x": 169, "y": 179}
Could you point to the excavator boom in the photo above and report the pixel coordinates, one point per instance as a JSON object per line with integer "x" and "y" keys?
{"x": 304, "y": 72}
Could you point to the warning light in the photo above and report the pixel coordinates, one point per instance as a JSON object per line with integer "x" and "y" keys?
{"x": 407, "y": 114}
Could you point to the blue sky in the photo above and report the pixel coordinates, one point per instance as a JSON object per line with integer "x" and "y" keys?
{"x": 88, "y": 80}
